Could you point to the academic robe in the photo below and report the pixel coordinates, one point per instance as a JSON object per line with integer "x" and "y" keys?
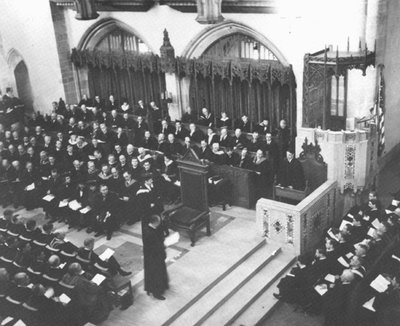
{"x": 291, "y": 174}
{"x": 155, "y": 269}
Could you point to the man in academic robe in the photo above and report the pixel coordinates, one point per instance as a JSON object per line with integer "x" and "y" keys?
{"x": 140, "y": 127}
{"x": 211, "y": 137}
{"x": 206, "y": 118}
{"x": 127, "y": 122}
{"x": 155, "y": 116}
{"x": 161, "y": 143}
{"x": 271, "y": 148}
{"x": 173, "y": 147}
{"x": 291, "y": 172}
{"x": 232, "y": 158}
{"x": 111, "y": 104}
{"x": 244, "y": 161}
{"x": 217, "y": 155}
{"x": 255, "y": 142}
{"x": 264, "y": 179}
{"x": 115, "y": 120}
{"x": 165, "y": 128}
{"x": 121, "y": 138}
{"x": 98, "y": 103}
{"x": 155, "y": 270}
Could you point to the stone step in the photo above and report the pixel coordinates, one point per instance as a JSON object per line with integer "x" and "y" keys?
{"x": 205, "y": 292}
{"x": 237, "y": 304}
{"x": 228, "y": 286}
{"x": 262, "y": 304}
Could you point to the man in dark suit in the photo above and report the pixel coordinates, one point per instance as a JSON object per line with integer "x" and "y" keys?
{"x": 170, "y": 174}
{"x": 211, "y": 137}
{"x": 244, "y": 161}
{"x": 255, "y": 142}
{"x": 106, "y": 207}
{"x": 166, "y": 129}
{"x": 141, "y": 109}
{"x": 173, "y": 147}
{"x": 161, "y": 143}
{"x": 232, "y": 158}
{"x": 148, "y": 141}
{"x": 111, "y": 104}
{"x": 115, "y": 120}
{"x": 244, "y": 124}
{"x": 291, "y": 172}
{"x": 283, "y": 134}
{"x": 239, "y": 140}
{"x": 225, "y": 140}
{"x": 271, "y": 148}
{"x": 180, "y": 131}
{"x": 127, "y": 122}
{"x": 98, "y": 103}
{"x": 195, "y": 134}
{"x": 140, "y": 127}
{"x": 204, "y": 152}
{"x": 263, "y": 127}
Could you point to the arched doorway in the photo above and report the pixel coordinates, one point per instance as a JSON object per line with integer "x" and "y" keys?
{"x": 23, "y": 84}
{"x": 245, "y": 74}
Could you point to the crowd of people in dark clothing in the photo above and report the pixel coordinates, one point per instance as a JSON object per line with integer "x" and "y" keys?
{"x": 97, "y": 165}
{"x": 338, "y": 279}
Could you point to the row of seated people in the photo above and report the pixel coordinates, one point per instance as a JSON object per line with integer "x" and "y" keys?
{"x": 99, "y": 110}
{"x": 46, "y": 280}
{"x": 322, "y": 282}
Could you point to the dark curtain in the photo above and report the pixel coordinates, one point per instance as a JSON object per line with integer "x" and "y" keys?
{"x": 129, "y": 84}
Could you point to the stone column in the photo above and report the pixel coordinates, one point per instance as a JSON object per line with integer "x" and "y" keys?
{"x": 209, "y": 11}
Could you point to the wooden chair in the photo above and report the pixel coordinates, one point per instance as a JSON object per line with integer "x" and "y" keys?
{"x": 193, "y": 214}
{"x": 315, "y": 173}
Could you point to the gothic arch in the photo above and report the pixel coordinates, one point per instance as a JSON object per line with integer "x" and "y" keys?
{"x": 13, "y": 59}
{"x": 208, "y": 36}
{"x": 103, "y": 27}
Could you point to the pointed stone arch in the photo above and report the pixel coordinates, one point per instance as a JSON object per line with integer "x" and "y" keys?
{"x": 208, "y": 36}
{"x": 103, "y": 27}
{"x": 13, "y": 59}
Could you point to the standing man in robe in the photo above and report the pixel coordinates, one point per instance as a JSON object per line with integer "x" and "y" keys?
{"x": 155, "y": 269}
{"x": 291, "y": 172}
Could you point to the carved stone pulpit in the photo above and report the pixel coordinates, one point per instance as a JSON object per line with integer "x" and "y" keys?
{"x": 193, "y": 214}
{"x": 209, "y": 11}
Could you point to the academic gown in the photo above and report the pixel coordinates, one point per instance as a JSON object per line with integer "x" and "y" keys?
{"x": 291, "y": 174}
{"x": 155, "y": 269}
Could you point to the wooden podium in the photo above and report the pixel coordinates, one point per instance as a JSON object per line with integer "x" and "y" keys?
{"x": 193, "y": 214}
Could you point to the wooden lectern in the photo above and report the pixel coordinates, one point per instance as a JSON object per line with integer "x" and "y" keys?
{"x": 193, "y": 214}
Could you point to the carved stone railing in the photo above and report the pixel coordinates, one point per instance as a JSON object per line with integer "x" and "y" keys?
{"x": 300, "y": 227}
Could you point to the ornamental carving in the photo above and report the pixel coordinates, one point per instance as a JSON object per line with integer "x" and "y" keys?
{"x": 349, "y": 163}
{"x": 289, "y": 229}
{"x": 266, "y": 223}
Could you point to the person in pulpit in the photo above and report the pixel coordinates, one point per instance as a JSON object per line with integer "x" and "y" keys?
{"x": 244, "y": 160}
{"x": 217, "y": 155}
{"x": 155, "y": 269}
{"x": 264, "y": 180}
{"x": 291, "y": 174}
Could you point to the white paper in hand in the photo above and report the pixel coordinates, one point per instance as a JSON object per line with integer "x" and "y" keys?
{"x": 376, "y": 224}
{"x": 172, "y": 239}
{"x": 7, "y": 320}
{"x": 380, "y": 284}
{"x": 321, "y": 289}
{"x": 64, "y": 298}
{"x": 86, "y": 210}
{"x": 48, "y": 198}
{"x": 30, "y": 187}
{"x": 370, "y": 304}
{"x": 106, "y": 254}
{"x": 74, "y": 205}
{"x": 98, "y": 279}
{"x": 330, "y": 278}
{"x": 342, "y": 261}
